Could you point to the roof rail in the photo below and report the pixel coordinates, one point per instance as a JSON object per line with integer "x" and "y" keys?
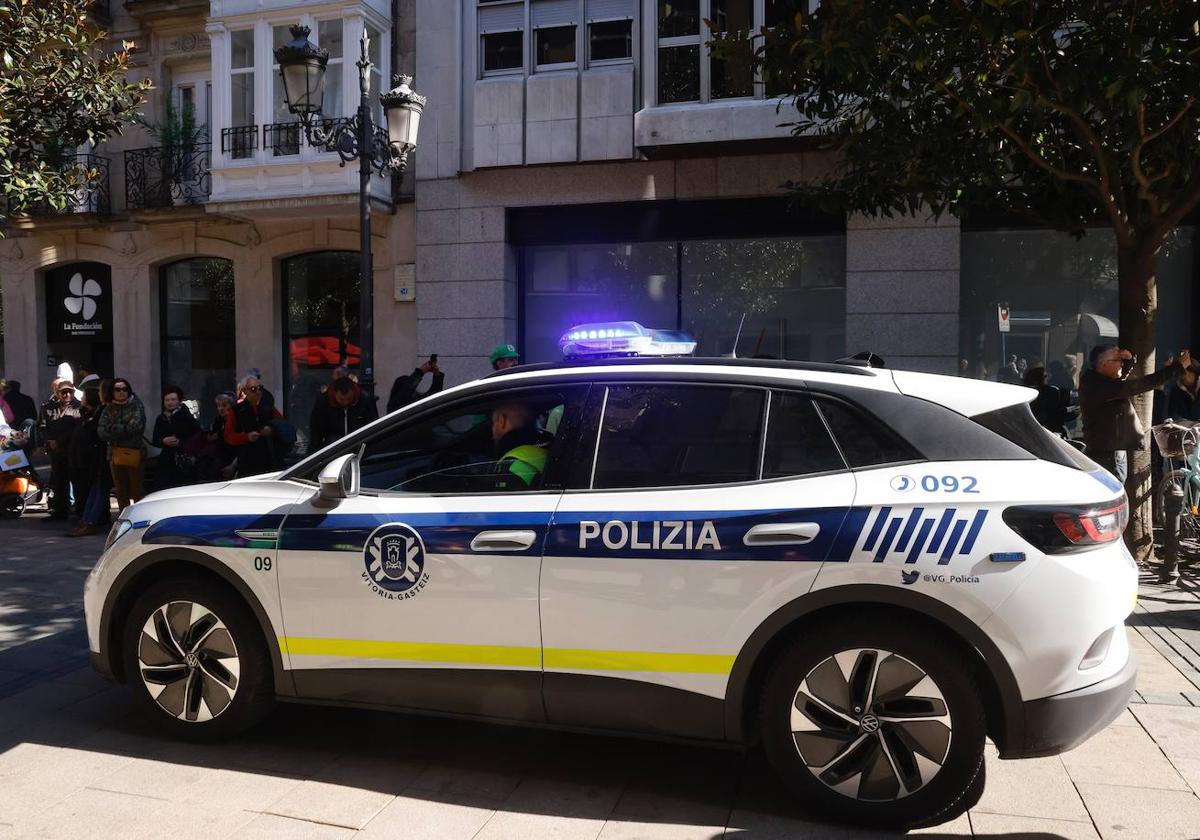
{"x": 853, "y": 367}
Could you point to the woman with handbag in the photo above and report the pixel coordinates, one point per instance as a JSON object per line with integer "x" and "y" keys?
{"x": 121, "y": 426}
{"x": 173, "y": 432}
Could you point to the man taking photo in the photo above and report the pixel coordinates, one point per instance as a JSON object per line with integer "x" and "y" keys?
{"x": 1110, "y": 424}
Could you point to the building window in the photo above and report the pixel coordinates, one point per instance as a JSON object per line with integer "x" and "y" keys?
{"x": 502, "y": 51}
{"x": 242, "y": 141}
{"x": 284, "y": 129}
{"x": 375, "y": 54}
{"x": 329, "y": 36}
{"x": 320, "y": 299}
{"x": 198, "y": 338}
{"x": 686, "y": 70}
{"x": 610, "y": 40}
{"x": 555, "y": 46}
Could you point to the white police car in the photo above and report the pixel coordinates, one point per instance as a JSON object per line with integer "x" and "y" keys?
{"x": 866, "y": 571}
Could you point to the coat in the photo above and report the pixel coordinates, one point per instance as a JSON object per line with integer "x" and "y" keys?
{"x": 181, "y": 424}
{"x": 258, "y": 456}
{"x": 124, "y": 424}
{"x": 404, "y": 389}
{"x": 330, "y": 421}
{"x": 1109, "y": 422}
{"x": 22, "y": 405}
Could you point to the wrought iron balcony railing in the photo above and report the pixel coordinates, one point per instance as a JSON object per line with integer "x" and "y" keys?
{"x": 92, "y": 196}
{"x": 282, "y": 138}
{"x": 240, "y": 141}
{"x": 166, "y": 176}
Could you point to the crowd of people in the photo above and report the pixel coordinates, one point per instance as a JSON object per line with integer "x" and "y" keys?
{"x": 99, "y": 438}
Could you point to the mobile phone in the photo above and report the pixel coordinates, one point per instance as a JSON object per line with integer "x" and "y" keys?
{"x": 433, "y": 358}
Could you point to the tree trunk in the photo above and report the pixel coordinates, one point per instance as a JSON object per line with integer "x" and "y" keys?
{"x": 1138, "y": 310}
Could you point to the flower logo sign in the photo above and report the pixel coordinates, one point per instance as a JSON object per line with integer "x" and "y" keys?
{"x": 82, "y": 298}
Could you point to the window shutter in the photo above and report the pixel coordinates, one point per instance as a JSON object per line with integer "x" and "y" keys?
{"x": 506, "y": 18}
{"x": 610, "y": 9}
{"x": 554, "y": 13}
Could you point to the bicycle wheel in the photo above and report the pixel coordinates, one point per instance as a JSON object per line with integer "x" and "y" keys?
{"x": 1189, "y": 516}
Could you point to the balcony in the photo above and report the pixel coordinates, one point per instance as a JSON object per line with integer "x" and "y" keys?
{"x": 167, "y": 176}
{"x": 92, "y": 197}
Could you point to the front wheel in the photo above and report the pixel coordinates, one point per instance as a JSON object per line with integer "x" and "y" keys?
{"x": 196, "y": 660}
{"x": 875, "y": 723}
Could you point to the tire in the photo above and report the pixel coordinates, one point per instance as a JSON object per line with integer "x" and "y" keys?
{"x": 196, "y": 660}
{"x": 1189, "y": 523}
{"x": 12, "y": 505}
{"x": 869, "y": 766}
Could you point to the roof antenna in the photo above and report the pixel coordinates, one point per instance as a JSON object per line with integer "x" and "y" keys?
{"x": 733, "y": 353}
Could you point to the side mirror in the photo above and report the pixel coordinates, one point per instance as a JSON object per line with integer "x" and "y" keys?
{"x": 339, "y": 479}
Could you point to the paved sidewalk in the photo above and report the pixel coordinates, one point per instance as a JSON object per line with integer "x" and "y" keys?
{"x": 76, "y": 762}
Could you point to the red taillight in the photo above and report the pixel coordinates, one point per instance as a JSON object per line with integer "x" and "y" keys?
{"x": 1067, "y": 528}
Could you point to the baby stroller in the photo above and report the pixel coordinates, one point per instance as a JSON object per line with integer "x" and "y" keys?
{"x": 19, "y": 482}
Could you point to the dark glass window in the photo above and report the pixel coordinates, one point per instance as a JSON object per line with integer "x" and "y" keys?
{"x": 502, "y": 51}
{"x": 679, "y": 74}
{"x": 797, "y": 441}
{"x": 678, "y": 18}
{"x": 320, "y": 329}
{"x": 496, "y": 444}
{"x": 864, "y": 441}
{"x": 610, "y": 39}
{"x": 555, "y": 45}
{"x": 678, "y": 435}
{"x": 733, "y": 76}
{"x": 198, "y": 335}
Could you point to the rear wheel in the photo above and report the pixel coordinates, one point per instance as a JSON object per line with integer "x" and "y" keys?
{"x": 1189, "y": 516}
{"x": 875, "y": 723}
{"x": 196, "y": 660}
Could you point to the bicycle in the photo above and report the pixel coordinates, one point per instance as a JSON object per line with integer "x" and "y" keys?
{"x": 1179, "y": 443}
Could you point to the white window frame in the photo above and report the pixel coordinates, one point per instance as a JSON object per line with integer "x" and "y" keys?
{"x": 243, "y": 71}
{"x": 561, "y": 65}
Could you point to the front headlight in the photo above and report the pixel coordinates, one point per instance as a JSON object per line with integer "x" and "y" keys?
{"x": 118, "y": 530}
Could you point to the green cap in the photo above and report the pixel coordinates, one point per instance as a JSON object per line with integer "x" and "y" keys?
{"x": 503, "y": 351}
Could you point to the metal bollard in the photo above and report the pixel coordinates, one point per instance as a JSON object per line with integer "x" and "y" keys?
{"x": 1172, "y": 508}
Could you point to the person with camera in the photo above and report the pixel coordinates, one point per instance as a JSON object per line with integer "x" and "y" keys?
{"x": 1110, "y": 424}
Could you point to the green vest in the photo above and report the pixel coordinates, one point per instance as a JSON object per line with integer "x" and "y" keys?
{"x": 526, "y": 461}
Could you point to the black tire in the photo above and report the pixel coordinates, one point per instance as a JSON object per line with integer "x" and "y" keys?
{"x": 12, "y": 505}
{"x": 940, "y": 757}
{"x": 208, "y": 695}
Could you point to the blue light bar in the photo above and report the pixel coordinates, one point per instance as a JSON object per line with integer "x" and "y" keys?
{"x": 623, "y": 338}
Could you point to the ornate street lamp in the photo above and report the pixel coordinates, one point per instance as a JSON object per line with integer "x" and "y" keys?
{"x": 302, "y": 65}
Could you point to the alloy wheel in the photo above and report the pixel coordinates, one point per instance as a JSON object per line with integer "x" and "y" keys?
{"x": 871, "y": 725}
{"x": 188, "y": 661}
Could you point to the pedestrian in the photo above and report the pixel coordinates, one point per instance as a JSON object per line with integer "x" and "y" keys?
{"x": 85, "y": 457}
{"x": 56, "y": 423}
{"x": 504, "y": 356}
{"x": 218, "y": 460}
{"x": 97, "y": 514}
{"x": 1183, "y": 396}
{"x": 123, "y": 428}
{"x": 342, "y": 410}
{"x": 174, "y": 430}
{"x": 1049, "y": 407}
{"x": 6, "y": 412}
{"x": 248, "y": 430}
{"x": 1009, "y": 372}
{"x": 404, "y": 389}
{"x": 85, "y": 379}
{"x": 22, "y": 405}
{"x": 1111, "y": 427}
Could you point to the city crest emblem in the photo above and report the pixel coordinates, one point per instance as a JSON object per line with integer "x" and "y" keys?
{"x": 394, "y": 557}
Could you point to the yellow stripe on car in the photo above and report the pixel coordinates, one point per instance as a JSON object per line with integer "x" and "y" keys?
{"x": 512, "y": 656}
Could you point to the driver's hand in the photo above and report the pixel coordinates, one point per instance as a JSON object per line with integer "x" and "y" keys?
{"x": 1124, "y": 354}
{"x": 1185, "y": 359}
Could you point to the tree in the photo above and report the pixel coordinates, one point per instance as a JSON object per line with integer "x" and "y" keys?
{"x": 1069, "y": 112}
{"x": 58, "y": 91}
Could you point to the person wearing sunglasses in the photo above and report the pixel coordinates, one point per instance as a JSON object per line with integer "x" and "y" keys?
{"x": 123, "y": 428}
{"x": 249, "y": 431}
{"x": 59, "y": 416}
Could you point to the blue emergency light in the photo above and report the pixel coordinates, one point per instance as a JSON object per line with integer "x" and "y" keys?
{"x": 623, "y": 338}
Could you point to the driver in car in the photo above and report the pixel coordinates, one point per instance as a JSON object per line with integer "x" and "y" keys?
{"x": 520, "y": 449}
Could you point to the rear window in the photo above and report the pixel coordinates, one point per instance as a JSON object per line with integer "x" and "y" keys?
{"x": 864, "y": 441}
{"x": 797, "y": 441}
{"x": 1016, "y": 424}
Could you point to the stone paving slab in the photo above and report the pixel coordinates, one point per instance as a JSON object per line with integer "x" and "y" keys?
{"x": 1139, "y": 813}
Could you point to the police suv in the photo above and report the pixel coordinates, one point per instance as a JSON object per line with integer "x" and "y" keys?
{"x": 865, "y": 571}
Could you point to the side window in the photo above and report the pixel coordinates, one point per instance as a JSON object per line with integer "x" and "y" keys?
{"x": 677, "y": 435}
{"x": 797, "y": 441}
{"x": 495, "y": 444}
{"x": 863, "y": 440}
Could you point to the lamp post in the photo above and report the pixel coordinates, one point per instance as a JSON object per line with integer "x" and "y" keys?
{"x": 302, "y": 65}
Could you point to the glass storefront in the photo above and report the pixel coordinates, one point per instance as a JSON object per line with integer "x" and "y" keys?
{"x": 198, "y": 332}
{"x": 1061, "y": 298}
{"x": 320, "y": 304}
{"x": 791, "y": 291}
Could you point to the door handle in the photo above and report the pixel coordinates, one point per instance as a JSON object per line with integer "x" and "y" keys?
{"x": 503, "y": 540}
{"x": 782, "y": 533}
